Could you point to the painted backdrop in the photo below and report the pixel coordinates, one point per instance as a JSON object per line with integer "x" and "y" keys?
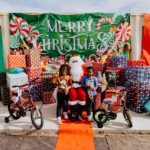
{"x": 92, "y": 35}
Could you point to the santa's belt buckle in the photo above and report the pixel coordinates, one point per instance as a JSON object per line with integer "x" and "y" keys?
{"x": 77, "y": 82}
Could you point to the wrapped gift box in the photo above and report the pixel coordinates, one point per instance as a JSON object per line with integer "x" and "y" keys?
{"x": 15, "y": 61}
{"x": 118, "y": 61}
{"x": 5, "y": 92}
{"x": 16, "y": 79}
{"x": 33, "y": 58}
{"x": 48, "y": 84}
{"x": 48, "y": 98}
{"x": 37, "y": 92}
{"x": 46, "y": 75}
{"x": 34, "y": 73}
{"x": 97, "y": 66}
{"x": 16, "y": 52}
{"x": 138, "y": 94}
{"x": 3, "y": 80}
{"x": 139, "y": 73}
{"x": 136, "y": 63}
{"x": 112, "y": 77}
{"x": 112, "y": 105}
{"x": 121, "y": 74}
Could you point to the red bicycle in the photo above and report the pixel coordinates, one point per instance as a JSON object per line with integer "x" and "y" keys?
{"x": 21, "y": 102}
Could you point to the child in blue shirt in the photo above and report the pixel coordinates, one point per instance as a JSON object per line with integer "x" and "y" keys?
{"x": 89, "y": 83}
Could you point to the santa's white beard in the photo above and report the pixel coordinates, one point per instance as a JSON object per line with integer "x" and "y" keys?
{"x": 76, "y": 71}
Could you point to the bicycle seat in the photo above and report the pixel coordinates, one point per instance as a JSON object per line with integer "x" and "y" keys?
{"x": 110, "y": 100}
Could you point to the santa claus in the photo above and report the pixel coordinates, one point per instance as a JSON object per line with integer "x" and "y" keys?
{"x": 77, "y": 96}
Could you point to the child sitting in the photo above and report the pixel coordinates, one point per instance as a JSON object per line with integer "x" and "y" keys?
{"x": 64, "y": 84}
{"x": 89, "y": 83}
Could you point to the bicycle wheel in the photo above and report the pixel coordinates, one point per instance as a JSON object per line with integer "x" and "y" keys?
{"x": 100, "y": 116}
{"x": 127, "y": 117}
{"x": 13, "y": 110}
{"x": 37, "y": 118}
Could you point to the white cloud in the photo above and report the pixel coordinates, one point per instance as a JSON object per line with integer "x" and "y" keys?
{"x": 74, "y": 6}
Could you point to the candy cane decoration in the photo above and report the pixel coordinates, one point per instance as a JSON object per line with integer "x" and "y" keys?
{"x": 33, "y": 35}
{"x": 14, "y": 41}
{"x": 88, "y": 60}
{"x": 19, "y": 27}
{"x": 105, "y": 19}
{"x": 123, "y": 32}
{"x": 116, "y": 16}
{"x": 38, "y": 47}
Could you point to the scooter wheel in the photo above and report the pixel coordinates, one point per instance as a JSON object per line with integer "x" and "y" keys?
{"x": 6, "y": 119}
{"x": 99, "y": 125}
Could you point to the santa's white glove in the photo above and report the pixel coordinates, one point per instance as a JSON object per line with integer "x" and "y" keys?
{"x": 75, "y": 85}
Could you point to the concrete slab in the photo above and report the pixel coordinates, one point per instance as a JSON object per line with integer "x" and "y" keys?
{"x": 141, "y": 123}
{"x": 132, "y": 142}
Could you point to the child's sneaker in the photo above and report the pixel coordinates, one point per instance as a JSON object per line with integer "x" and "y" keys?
{"x": 90, "y": 117}
{"x": 59, "y": 120}
{"x": 65, "y": 115}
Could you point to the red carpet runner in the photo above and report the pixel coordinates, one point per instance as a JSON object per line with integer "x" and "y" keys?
{"x": 75, "y": 136}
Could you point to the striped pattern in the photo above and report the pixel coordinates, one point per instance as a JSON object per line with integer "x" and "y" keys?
{"x": 34, "y": 73}
{"x": 33, "y": 58}
{"x": 16, "y": 61}
{"x": 136, "y": 63}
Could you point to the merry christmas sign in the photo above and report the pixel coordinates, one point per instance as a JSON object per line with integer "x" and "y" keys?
{"x": 93, "y": 36}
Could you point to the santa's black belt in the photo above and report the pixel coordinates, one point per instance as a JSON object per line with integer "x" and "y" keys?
{"x": 78, "y": 82}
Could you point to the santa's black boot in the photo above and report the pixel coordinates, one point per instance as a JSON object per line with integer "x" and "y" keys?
{"x": 73, "y": 113}
{"x": 79, "y": 113}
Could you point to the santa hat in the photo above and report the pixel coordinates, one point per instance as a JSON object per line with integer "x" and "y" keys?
{"x": 75, "y": 55}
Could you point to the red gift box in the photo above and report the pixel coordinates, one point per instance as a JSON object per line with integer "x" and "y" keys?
{"x": 33, "y": 58}
{"x": 16, "y": 52}
{"x": 136, "y": 63}
{"x": 15, "y": 61}
{"x": 34, "y": 73}
{"x": 112, "y": 105}
{"x": 97, "y": 66}
{"x": 48, "y": 98}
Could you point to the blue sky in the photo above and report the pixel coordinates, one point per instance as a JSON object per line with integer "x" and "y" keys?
{"x": 75, "y": 6}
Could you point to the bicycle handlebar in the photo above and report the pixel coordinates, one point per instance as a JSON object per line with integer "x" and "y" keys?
{"x": 26, "y": 84}
{"x": 34, "y": 79}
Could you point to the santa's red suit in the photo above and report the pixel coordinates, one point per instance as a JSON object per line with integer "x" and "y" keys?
{"x": 77, "y": 96}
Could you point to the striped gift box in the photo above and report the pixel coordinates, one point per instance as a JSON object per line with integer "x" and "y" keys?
{"x": 15, "y": 61}
{"x": 33, "y": 58}
{"x": 118, "y": 61}
{"x": 48, "y": 98}
{"x": 136, "y": 63}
